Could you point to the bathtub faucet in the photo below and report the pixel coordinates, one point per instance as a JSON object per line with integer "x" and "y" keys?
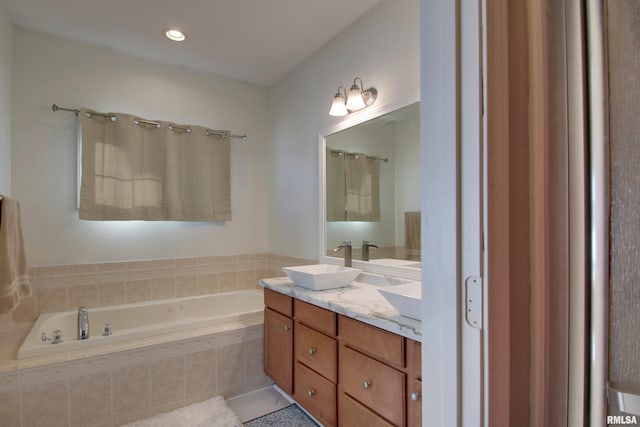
{"x": 83, "y": 323}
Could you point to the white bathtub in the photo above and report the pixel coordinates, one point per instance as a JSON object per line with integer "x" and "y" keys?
{"x": 139, "y": 320}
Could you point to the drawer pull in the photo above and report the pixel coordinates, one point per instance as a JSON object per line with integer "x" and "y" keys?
{"x": 367, "y": 384}
{"x": 312, "y": 351}
{"x": 415, "y": 396}
{"x": 311, "y": 392}
{"x": 287, "y": 328}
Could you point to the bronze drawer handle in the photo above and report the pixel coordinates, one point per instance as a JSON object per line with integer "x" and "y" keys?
{"x": 312, "y": 351}
{"x": 287, "y": 328}
{"x": 415, "y": 396}
{"x": 311, "y": 392}
{"x": 367, "y": 384}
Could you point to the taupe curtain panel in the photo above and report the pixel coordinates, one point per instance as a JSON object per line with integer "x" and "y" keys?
{"x": 145, "y": 172}
{"x": 352, "y": 186}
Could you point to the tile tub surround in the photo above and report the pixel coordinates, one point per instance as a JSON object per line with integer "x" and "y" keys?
{"x": 65, "y": 287}
{"x": 360, "y": 301}
{"x": 124, "y": 386}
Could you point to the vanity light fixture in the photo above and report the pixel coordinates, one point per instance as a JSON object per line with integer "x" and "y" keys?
{"x": 357, "y": 99}
{"x": 175, "y": 35}
{"x": 338, "y": 106}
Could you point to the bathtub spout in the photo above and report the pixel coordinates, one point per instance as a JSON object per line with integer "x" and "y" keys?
{"x": 83, "y": 323}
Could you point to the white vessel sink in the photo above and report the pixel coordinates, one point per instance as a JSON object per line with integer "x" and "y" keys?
{"x": 406, "y": 299}
{"x": 319, "y": 277}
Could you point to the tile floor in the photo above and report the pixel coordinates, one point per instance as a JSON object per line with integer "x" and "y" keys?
{"x": 260, "y": 402}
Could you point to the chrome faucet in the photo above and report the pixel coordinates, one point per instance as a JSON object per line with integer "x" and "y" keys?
{"x": 83, "y": 323}
{"x": 347, "y": 252}
{"x": 365, "y": 249}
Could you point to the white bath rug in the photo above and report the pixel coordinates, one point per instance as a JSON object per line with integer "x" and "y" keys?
{"x": 210, "y": 413}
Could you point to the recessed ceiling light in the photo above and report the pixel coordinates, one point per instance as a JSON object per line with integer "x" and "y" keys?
{"x": 175, "y": 35}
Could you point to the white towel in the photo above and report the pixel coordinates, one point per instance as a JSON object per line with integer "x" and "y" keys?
{"x": 14, "y": 282}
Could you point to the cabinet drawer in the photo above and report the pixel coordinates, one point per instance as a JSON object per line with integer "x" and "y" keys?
{"x": 317, "y": 351}
{"x": 353, "y": 414}
{"x": 316, "y": 394}
{"x": 369, "y": 339}
{"x": 278, "y": 302}
{"x": 316, "y": 317}
{"x": 373, "y": 384}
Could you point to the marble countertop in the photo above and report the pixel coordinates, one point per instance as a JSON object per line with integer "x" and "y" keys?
{"x": 359, "y": 301}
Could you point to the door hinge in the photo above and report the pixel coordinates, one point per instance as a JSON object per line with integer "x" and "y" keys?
{"x": 473, "y": 301}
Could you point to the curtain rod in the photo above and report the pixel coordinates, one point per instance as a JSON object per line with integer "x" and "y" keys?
{"x": 113, "y": 118}
{"x": 346, "y": 153}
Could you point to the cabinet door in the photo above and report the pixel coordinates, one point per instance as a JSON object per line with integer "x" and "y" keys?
{"x": 278, "y": 349}
{"x": 414, "y": 404}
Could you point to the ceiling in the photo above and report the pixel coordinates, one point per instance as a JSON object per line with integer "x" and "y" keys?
{"x": 257, "y": 41}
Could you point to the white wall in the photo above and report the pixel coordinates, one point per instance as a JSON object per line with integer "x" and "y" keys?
{"x": 382, "y": 48}
{"x": 50, "y": 70}
{"x": 6, "y": 45}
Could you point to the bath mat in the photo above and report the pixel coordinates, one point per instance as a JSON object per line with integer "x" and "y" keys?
{"x": 210, "y": 413}
{"x": 291, "y": 416}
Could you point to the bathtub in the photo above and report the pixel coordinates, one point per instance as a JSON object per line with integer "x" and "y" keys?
{"x": 145, "y": 319}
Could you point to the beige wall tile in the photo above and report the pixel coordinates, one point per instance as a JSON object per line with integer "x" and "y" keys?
{"x": 83, "y": 296}
{"x": 50, "y": 300}
{"x": 167, "y": 382}
{"x": 90, "y": 399}
{"x": 10, "y": 408}
{"x": 50, "y": 282}
{"x": 82, "y": 269}
{"x": 228, "y": 281}
{"x": 25, "y": 312}
{"x": 130, "y": 394}
{"x": 247, "y": 279}
{"x": 45, "y": 405}
{"x": 10, "y": 400}
{"x": 254, "y": 376}
{"x": 186, "y": 286}
{"x": 163, "y": 288}
{"x": 112, "y": 294}
{"x": 231, "y": 370}
{"x": 200, "y": 375}
{"x": 138, "y": 290}
{"x": 208, "y": 284}
{"x": 56, "y": 270}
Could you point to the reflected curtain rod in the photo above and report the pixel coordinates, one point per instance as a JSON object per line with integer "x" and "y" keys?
{"x": 207, "y": 132}
{"x": 382, "y": 159}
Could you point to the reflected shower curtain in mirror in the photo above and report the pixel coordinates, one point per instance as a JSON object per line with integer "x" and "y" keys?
{"x": 144, "y": 172}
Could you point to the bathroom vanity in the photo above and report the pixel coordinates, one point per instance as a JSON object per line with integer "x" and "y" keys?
{"x": 344, "y": 355}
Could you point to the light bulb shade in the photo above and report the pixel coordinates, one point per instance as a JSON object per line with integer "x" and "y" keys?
{"x": 338, "y": 107}
{"x": 355, "y": 101}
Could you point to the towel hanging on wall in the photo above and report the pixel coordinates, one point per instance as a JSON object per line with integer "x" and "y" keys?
{"x": 135, "y": 169}
{"x": 14, "y": 281}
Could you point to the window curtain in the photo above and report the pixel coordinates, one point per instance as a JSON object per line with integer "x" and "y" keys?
{"x": 144, "y": 172}
{"x": 363, "y": 188}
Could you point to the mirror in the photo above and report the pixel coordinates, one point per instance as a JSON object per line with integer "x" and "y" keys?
{"x": 371, "y": 181}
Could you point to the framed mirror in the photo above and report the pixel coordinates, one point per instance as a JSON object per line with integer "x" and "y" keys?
{"x": 370, "y": 191}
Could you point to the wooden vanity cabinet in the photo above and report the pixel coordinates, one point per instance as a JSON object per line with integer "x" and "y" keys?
{"x": 278, "y": 339}
{"x": 344, "y": 372}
